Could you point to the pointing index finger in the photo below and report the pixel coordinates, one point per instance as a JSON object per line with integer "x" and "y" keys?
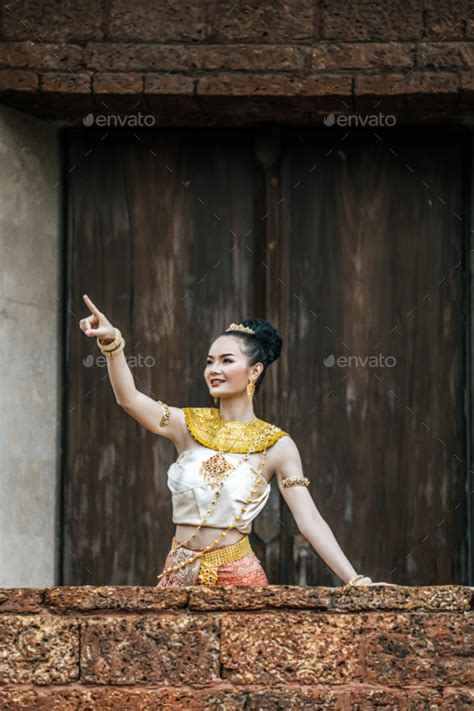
{"x": 92, "y": 306}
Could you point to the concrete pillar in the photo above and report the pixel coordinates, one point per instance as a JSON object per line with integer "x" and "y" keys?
{"x": 30, "y": 349}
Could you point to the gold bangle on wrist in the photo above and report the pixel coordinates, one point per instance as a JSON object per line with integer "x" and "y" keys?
{"x": 358, "y": 580}
{"x": 117, "y": 351}
{"x": 354, "y": 580}
{"x": 115, "y": 347}
{"x": 105, "y": 347}
{"x": 364, "y": 581}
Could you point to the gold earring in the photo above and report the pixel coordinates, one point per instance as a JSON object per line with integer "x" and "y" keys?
{"x": 250, "y": 390}
{"x": 216, "y": 400}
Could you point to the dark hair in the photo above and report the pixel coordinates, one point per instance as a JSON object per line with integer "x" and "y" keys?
{"x": 263, "y": 346}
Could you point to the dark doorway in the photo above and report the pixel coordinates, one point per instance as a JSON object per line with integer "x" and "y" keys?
{"x": 353, "y": 244}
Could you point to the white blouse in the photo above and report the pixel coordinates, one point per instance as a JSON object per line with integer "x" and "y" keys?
{"x": 192, "y": 496}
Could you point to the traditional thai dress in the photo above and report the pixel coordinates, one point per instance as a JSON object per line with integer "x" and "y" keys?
{"x": 243, "y": 493}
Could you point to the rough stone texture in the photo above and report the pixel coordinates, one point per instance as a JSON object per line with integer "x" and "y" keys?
{"x": 14, "y": 80}
{"x": 21, "y": 600}
{"x": 458, "y": 55}
{"x": 39, "y": 649}
{"x": 362, "y": 698}
{"x": 440, "y": 598}
{"x": 52, "y": 21}
{"x": 369, "y": 55}
{"x": 414, "y": 83}
{"x": 447, "y": 20}
{"x": 107, "y": 83}
{"x": 66, "y": 83}
{"x": 125, "y": 57}
{"x": 367, "y": 20}
{"x": 173, "y": 85}
{"x": 248, "y": 85}
{"x": 178, "y": 21}
{"x": 201, "y": 63}
{"x": 274, "y": 647}
{"x": 88, "y": 598}
{"x": 163, "y": 649}
{"x": 291, "y": 645}
{"x": 39, "y": 55}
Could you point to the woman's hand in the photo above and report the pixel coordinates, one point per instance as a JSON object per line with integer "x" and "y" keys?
{"x": 96, "y": 325}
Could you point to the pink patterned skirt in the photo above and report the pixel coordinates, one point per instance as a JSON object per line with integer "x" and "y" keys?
{"x": 245, "y": 571}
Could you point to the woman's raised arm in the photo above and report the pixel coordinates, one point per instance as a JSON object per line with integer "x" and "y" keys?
{"x": 160, "y": 419}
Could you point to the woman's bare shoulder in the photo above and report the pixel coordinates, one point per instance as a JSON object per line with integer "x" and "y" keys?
{"x": 283, "y": 448}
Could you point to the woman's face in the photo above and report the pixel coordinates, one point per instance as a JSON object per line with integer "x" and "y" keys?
{"x": 227, "y": 364}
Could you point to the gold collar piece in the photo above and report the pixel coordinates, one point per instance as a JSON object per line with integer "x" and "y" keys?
{"x": 207, "y": 427}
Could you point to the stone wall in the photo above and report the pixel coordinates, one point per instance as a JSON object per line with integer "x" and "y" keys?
{"x": 277, "y": 647}
{"x": 198, "y": 61}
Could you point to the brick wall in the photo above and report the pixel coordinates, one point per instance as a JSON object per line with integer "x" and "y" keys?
{"x": 233, "y": 62}
{"x": 236, "y": 648}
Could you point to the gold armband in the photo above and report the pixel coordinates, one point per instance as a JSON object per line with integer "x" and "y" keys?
{"x": 166, "y": 417}
{"x": 295, "y": 481}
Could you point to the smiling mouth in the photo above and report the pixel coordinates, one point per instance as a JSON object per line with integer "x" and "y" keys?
{"x": 216, "y": 382}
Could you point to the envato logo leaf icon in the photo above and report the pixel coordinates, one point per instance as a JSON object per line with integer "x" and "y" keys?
{"x": 329, "y": 361}
{"x": 329, "y": 120}
{"x": 88, "y": 120}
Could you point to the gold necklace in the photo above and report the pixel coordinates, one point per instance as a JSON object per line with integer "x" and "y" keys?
{"x": 216, "y": 469}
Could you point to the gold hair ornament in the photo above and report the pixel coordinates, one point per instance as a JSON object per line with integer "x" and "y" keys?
{"x": 239, "y": 327}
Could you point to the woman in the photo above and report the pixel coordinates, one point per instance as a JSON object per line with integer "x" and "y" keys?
{"x": 216, "y": 497}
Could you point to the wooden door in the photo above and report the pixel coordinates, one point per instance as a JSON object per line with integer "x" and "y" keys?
{"x": 159, "y": 236}
{"x": 353, "y": 246}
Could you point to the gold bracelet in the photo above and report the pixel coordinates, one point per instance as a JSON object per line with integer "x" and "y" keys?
{"x": 166, "y": 417}
{"x": 295, "y": 481}
{"x": 105, "y": 347}
{"x": 117, "y": 351}
{"x": 117, "y": 345}
{"x": 353, "y": 580}
{"x": 111, "y": 346}
{"x": 358, "y": 580}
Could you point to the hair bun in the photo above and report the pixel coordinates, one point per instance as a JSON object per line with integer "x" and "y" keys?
{"x": 268, "y": 336}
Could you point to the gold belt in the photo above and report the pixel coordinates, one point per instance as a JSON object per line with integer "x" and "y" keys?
{"x": 210, "y": 560}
